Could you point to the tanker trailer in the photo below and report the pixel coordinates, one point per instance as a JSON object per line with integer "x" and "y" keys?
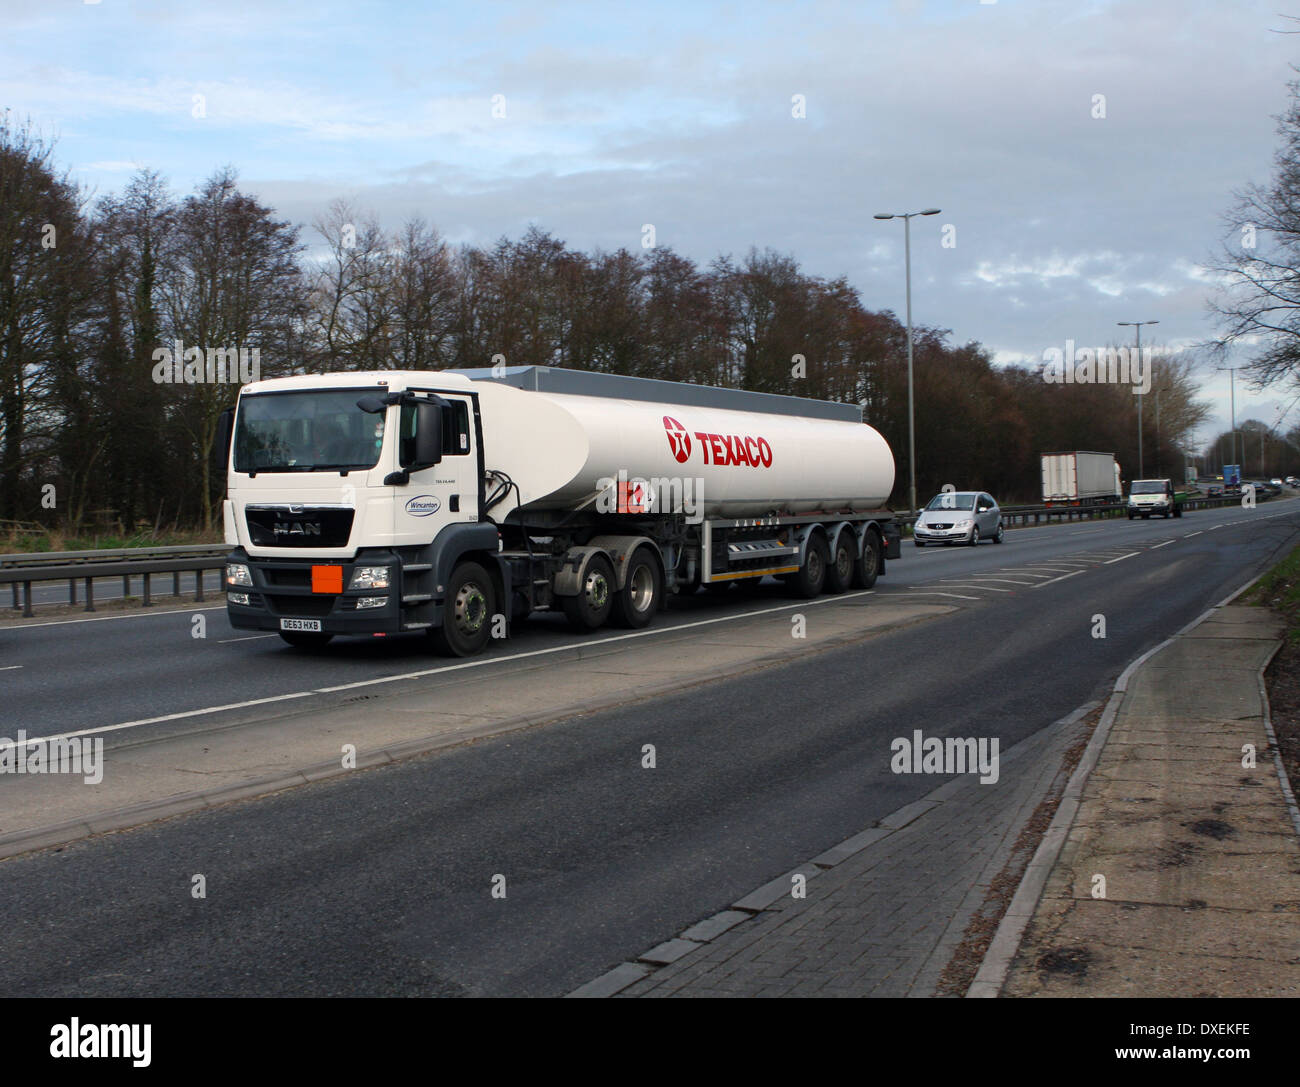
{"x": 457, "y": 502}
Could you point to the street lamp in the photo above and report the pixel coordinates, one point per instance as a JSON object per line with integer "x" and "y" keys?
{"x": 1137, "y": 327}
{"x": 1232, "y": 380}
{"x": 907, "y": 217}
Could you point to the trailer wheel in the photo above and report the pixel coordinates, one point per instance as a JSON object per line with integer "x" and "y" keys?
{"x": 591, "y": 607}
{"x": 467, "y": 616}
{"x": 867, "y": 568}
{"x": 636, "y": 603}
{"x": 839, "y": 572}
{"x": 811, "y": 578}
{"x": 301, "y": 639}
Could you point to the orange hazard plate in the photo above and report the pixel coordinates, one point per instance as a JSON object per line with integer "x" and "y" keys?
{"x": 327, "y": 579}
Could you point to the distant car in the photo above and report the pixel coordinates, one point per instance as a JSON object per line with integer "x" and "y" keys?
{"x": 1215, "y": 489}
{"x": 964, "y": 517}
{"x": 1276, "y": 482}
{"x": 1292, "y": 481}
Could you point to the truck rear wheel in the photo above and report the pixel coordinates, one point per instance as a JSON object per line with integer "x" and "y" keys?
{"x": 591, "y": 607}
{"x": 867, "y": 568}
{"x": 839, "y": 572}
{"x": 300, "y": 639}
{"x": 636, "y": 603}
{"x": 467, "y": 616}
{"x": 811, "y": 578}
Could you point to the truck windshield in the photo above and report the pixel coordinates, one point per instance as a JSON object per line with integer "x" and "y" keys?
{"x": 1147, "y": 486}
{"x": 317, "y": 430}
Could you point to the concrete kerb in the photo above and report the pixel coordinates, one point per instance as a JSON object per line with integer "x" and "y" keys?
{"x": 763, "y": 898}
{"x": 61, "y": 834}
{"x": 992, "y": 974}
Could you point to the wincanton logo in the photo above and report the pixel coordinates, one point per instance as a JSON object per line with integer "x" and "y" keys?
{"x": 423, "y": 505}
{"x": 678, "y": 440}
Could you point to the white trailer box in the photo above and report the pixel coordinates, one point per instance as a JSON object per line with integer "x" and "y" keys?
{"x": 1080, "y": 477}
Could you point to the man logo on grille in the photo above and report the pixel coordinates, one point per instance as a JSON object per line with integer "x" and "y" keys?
{"x": 679, "y": 441}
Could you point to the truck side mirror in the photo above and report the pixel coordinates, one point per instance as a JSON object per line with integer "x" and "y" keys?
{"x": 428, "y": 434}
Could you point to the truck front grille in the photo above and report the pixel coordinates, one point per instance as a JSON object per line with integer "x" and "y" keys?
{"x": 303, "y": 526}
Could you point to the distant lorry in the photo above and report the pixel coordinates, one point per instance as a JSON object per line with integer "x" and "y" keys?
{"x": 1080, "y": 478}
{"x": 1232, "y": 479}
{"x": 455, "y": 503}
{"x": 1150, "y": 496}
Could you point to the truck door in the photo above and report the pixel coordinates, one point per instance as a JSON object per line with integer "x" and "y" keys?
{"x": 450, "y": 489}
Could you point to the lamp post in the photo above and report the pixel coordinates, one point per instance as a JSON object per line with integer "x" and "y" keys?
{"x": 907, "y": 217}
{"x": 1232, "y": 380}
{"x": 1137, "y": 327}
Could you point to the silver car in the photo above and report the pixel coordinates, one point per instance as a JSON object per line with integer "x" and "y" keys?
{"x": 959, "y": 517}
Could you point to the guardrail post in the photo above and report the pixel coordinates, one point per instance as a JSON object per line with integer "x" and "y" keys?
{"x": 72, "y": 591}
{"x": 198, "y": 586}
{"x": 176, "y": 583}
{"x": 126, "y": 586}
{"x": 90, "y": 594}
{"x": 14, "y": 586}
{"x": 144, "y": 585}
{"x": 27, "y": 600}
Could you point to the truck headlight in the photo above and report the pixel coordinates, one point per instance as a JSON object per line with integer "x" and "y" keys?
{"x": 371, "y": 602}
{"x": 369, "y": 577}
{"x": 238, "y": 574}
{"x": 238, "y": 598}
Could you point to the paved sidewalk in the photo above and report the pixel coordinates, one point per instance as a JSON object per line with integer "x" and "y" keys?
{"x": 886, "y": 915}
{"x": 1199, "y": 853}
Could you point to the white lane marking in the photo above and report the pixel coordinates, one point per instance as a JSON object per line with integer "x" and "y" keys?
{"x": 972, "y": 585}
{"x": 1121, "y": 558}
{"x": 1026, "y": 573}
{"x": 1159, "y": 546}
{"x": 1056, "y": 564}
{"x": 106, "y": 618}
{"x": 1063, "y": 577}
{"x": 1191, "y": 534}
{"x": 10, "y": 745}
{"x": 1004, "y": 580}
{"x": 446, "y": 668}
{"x": 246, "y": 638}
{"x": 1213, "y": 527}
{"x": 954, "y": 596}
{"x": 10, "y": 668}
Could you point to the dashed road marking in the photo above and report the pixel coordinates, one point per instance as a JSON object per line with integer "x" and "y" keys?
{"x": 1108, "y": 562}
{"x": 1043, "y": 584}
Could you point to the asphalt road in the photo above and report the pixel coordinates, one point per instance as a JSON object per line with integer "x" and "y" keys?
{"x": 381, "y": 883}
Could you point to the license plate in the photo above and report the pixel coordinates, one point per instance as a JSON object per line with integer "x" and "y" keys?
{"x": 300, "y": 624}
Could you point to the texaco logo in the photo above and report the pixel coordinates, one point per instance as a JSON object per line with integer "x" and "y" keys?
{"x": 678, "y": 440}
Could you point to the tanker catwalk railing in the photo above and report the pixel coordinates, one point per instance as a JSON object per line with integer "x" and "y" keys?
{"x": 86, "y": 567}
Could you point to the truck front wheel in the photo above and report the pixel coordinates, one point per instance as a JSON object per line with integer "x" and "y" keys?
{"x": 591, "y": 607}
{"x": 636, "y": 603}
{"x": 467, "y": 616}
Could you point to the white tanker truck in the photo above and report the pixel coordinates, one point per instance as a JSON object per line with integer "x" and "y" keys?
{"x": 455, "y": 502}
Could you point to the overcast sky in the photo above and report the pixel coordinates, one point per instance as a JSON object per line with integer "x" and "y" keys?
{"x": 680, "y": 115}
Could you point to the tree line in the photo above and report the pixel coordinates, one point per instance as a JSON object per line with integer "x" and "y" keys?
{"x": 93, "y": 431}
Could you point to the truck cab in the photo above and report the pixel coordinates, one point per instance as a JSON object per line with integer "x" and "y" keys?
{"x": 1148, "y": 496}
